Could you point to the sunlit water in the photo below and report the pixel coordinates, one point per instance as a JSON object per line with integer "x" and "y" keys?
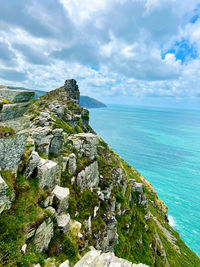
{"x": 164, "y": 145}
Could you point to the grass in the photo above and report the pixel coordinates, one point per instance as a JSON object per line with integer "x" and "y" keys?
{"x": 60, "y": 123}
{"x": 6, "y": 131}
{"x": 15, "y": 222}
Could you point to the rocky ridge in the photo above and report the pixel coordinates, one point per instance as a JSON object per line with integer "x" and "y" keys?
{"x": 63, "y": 190}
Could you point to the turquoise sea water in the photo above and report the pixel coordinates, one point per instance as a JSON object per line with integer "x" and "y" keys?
{"x": 164, "y": 145}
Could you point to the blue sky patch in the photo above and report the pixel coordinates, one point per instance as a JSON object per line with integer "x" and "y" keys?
{"x": 183, "y": 51}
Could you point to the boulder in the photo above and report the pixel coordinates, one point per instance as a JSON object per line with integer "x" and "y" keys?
{"x": 16, "y": 96}
{"x": 138, "y": 187}
{"x": 12, "y": 149}
{"x": 94, "y": 258}
{"x": 5, "y": 198}
{"x": 32, "y": 164}
{"x": 48, "y": 173}
{"x": 142, "y": 199}
{"x": 60, "y": 198}
{"x": 64, "y": 264}
{"x": 42, "y": 137}
{"x": 110, "y": 233}
{"x": 89, "y": 177}
{"x": 18, "y": 124}
{"x": 43, "y": 235}
{"x": 85, "y": 144}
{"x": 11, "y": 111}
{"x": 63, "y": 222}
{"x": 72, "y": 163}
{"x": 56, "y": 142}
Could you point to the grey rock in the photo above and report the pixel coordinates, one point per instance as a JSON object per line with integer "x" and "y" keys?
{"x": 18, "y": 124}
{"x": 23, "y": 249}
{"x": 85, "y": 144}
{"x": 12, "y": 149}
{"x": 48, "y": 173}
{"x": 30, "y": 233}
{"x": 43, "y": 235}
{"x": 46, "y": 202}
{"x": 32, "y": 164}
{"x": 5, "y": 198}
{"x": 138, "y": 187}
{"x": 95, "y": 211}
{"x": 57, "y": 142}
{"x": 142, "y": 199}
{"x": 42, "y": 137}
{"x": 64, "y": 264}
{"x": 72, "y": 163}
{"x": 64, "y": 163}
{"x": 60, "y": 198}
{"x": 132, "y": 181}
{"x": 63, "y": 222}
{"x": 89, "y": 177}
{"x": 72, "y": 90}
{"x": 118, "y": 175}
{"x": 16, "y": 96}
{"x": 110, "y": 234}
{"x": 148, "y": 216}
{"x": 94, "y": 258}
{"x": 12, "y": 111}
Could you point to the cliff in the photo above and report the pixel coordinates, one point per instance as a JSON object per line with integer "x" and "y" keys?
{"x": 88, "y": 102}
{"x": 67, "y": 199}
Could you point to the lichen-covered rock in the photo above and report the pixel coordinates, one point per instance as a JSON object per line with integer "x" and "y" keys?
{"x": 56, "y": 142}
{"x": 32, "y": 164}
{"x": 94, "y": 258}
{"x": 48, "y": 173}
{"x": 42, "y": 137}
{"x": 138, "y": 187}
{"x": 85, "y": 144}
{"x": 18, "y": 124}
{"x": 16, "y": 96}
{"x": 72, "y": 163}
{"x": 11, "y": 111}
{"x": 89, "y": 177}
{"x": 72, "y": 90}
{"x": 12, "y": 149}
{"x": 63, "y": 222}
{"x": 6, "y": 198}
{"x": 60, "y": 198}
{"x": 110, "y": 233}
{"x": 64, "y": 264}
{"x": 43, "y": 235}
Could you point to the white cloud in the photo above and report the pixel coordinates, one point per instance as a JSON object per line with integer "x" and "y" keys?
{"x": 111, "y": 47}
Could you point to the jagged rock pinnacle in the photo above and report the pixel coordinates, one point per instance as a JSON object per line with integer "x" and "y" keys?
{"x": 72, "y": 89}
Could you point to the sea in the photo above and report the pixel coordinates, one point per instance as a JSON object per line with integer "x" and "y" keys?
{"x": 164, "y": 146}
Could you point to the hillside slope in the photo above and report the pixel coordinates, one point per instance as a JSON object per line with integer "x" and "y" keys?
{"x": 89, "y": 102}
{"x": 63, "y": 190}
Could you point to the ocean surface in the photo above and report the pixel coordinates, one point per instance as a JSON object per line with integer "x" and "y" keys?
{"x": 164, "y": 146}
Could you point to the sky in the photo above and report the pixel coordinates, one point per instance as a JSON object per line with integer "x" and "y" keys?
{"x": 120, "y": 51}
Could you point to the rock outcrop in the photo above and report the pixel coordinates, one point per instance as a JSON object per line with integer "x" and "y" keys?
{"x": 43, "y": 235}
{"x": 60, "y": 199}
{"x": 6, "y": 196}
{"x": 48, "y": 173}
{"x": 89, "y": 177}
{"x": 71, "y": 88}
{"x": 95, "y": 258}
{"x": 16, "y": 96}
{"x": 12, "y": 149}
{"x": 72, "y": 191}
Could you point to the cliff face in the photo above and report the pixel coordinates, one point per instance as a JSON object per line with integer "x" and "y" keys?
{"x": 64, "y": 191}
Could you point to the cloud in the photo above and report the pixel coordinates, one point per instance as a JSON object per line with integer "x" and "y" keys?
{"x": 132, "y": 48}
